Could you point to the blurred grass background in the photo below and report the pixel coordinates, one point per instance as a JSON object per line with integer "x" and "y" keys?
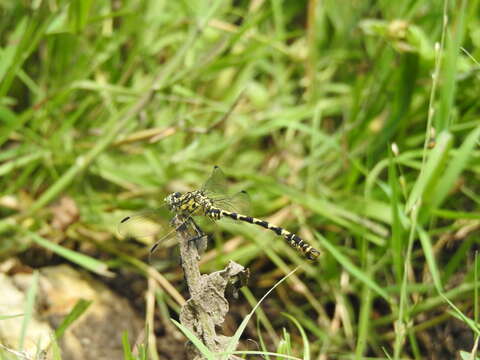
{"x": 355, "y": 124}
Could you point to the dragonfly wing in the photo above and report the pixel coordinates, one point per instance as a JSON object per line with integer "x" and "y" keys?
{"x": 215, "y": 188}
{"x": 200, "y": 240}
{"x": 143, "y": 224}
{"x": 239, "y": 203}
{"x": 216, "y": 184}
{"x": 154, "y": 247}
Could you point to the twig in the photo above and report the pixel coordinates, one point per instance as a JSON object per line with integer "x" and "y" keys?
{"x": 207, "y": 305}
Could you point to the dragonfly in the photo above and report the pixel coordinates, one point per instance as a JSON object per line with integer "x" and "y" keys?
{"x": 211, "y": 201}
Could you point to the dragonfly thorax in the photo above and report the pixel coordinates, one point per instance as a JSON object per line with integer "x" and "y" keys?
{"x": 189, "y": 203}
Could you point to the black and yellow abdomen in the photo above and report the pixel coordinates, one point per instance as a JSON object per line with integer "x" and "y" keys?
{"x": 292, "y": 239}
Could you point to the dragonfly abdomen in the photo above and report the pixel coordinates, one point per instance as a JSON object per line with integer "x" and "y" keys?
{"x": 292, "y": 239}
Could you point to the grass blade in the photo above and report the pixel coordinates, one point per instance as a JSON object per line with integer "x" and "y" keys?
{"x": 127, "y": 350}
{"x": 80, "y": 307}
{"x": 4, "y": 317}
{"x": 455, "y": 167}
{"x": 449, "y": 70}
{"x": 236, "y": 337}
{"x": 84, "y": 261}
{"x": 195, "y": 341}
{"x": 29, "y": 309}
{"x": 430, "y": 258}
{"x": 431, "y": 171}
{"x": 351, "y": 268}
{"x": 306, "y": 343}
{"x": 397, "y": 228}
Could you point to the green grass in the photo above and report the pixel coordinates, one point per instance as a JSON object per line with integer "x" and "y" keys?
{"x": 355, "y": 124}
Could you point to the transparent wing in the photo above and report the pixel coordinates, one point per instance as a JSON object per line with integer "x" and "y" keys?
{"x": 199, "y": 240}
{"x": 216, "y": 184}
{"x": 144, "y": 223}
{"x": 239, "y": 202}
{"x": 154, "y": 247}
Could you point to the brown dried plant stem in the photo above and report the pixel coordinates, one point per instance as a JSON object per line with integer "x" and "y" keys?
{"x": 207, "y": 305}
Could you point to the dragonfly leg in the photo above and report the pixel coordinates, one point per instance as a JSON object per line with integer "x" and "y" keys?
{"x": 200, "y": 240}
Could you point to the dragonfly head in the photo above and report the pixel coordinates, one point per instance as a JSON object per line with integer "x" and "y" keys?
{"x": 173, "y": 200}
